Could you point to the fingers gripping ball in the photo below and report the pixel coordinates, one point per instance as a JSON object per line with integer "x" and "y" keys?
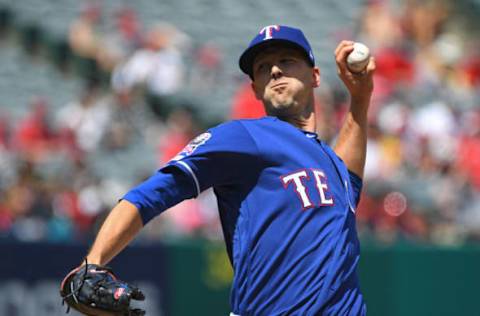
{"x": 358, "y": 59}
{"x": 94, "y": 290}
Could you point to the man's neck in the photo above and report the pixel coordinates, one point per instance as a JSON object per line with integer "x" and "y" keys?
{"x": 303, "y": 122}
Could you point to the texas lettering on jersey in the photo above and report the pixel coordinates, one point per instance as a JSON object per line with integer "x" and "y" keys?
{"x": 298, "y": 180}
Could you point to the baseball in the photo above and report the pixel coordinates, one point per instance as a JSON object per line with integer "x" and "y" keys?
{"x": 358, "y": 59}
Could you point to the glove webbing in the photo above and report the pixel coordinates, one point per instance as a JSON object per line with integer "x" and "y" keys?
{"x": 73, "y": 293}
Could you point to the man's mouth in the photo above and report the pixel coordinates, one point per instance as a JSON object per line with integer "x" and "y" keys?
{"x": 280, "y": 85}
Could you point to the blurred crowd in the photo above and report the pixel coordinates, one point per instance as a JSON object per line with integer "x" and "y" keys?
{"x": 422, "y": 177}
{"x": 423, "y": 165}
{"x": 51, "y": 185}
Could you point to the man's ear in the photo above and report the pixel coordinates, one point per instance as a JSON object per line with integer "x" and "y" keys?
{"x": 316, "y": 77}
{"x": 258, "y": 94}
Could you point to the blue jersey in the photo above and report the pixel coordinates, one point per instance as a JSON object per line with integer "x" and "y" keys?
{"x": 287, "y": 208}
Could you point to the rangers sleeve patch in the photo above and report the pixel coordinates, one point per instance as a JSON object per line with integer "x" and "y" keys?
{"x": 192, "y": 146}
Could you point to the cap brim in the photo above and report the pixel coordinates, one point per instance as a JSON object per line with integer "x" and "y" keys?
{"x": 248, "y": 57}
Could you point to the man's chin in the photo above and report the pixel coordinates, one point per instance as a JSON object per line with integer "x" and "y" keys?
{"x": 283, "y": 104}
{"x": 281, "y": 109}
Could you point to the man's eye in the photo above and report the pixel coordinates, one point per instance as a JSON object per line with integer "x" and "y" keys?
{"x": 287, "y": 61}
{"x": 261, "y": 67}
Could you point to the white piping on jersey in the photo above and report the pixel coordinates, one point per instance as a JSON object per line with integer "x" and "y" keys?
{"x": 197, "y": 186}
{"x": 348, "y": 198}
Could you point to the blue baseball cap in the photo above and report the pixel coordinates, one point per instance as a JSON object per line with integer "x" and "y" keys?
{"x": 270, "y": 34}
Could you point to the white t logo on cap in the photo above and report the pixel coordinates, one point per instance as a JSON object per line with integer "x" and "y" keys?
{"x": 268, "y": 30}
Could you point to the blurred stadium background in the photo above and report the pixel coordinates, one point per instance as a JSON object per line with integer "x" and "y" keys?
{"x": 96, "y": 95}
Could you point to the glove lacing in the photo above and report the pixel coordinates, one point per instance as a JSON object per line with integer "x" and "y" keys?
{"x": 73, "y": 292}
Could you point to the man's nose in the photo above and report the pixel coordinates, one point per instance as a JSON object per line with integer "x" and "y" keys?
{"x": 276, "y": 72}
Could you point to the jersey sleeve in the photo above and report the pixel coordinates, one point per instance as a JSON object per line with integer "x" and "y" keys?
{"x": 224, "y": 155}
{"x": 164, "y": 189}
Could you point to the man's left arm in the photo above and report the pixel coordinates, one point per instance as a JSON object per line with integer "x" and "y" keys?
{"x": 351, "y": 143}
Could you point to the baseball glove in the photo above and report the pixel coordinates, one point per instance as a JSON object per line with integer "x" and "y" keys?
{"x": 94, "y": 290}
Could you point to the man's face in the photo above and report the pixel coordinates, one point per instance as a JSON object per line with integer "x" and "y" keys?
{"x": 284, "y": 80}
